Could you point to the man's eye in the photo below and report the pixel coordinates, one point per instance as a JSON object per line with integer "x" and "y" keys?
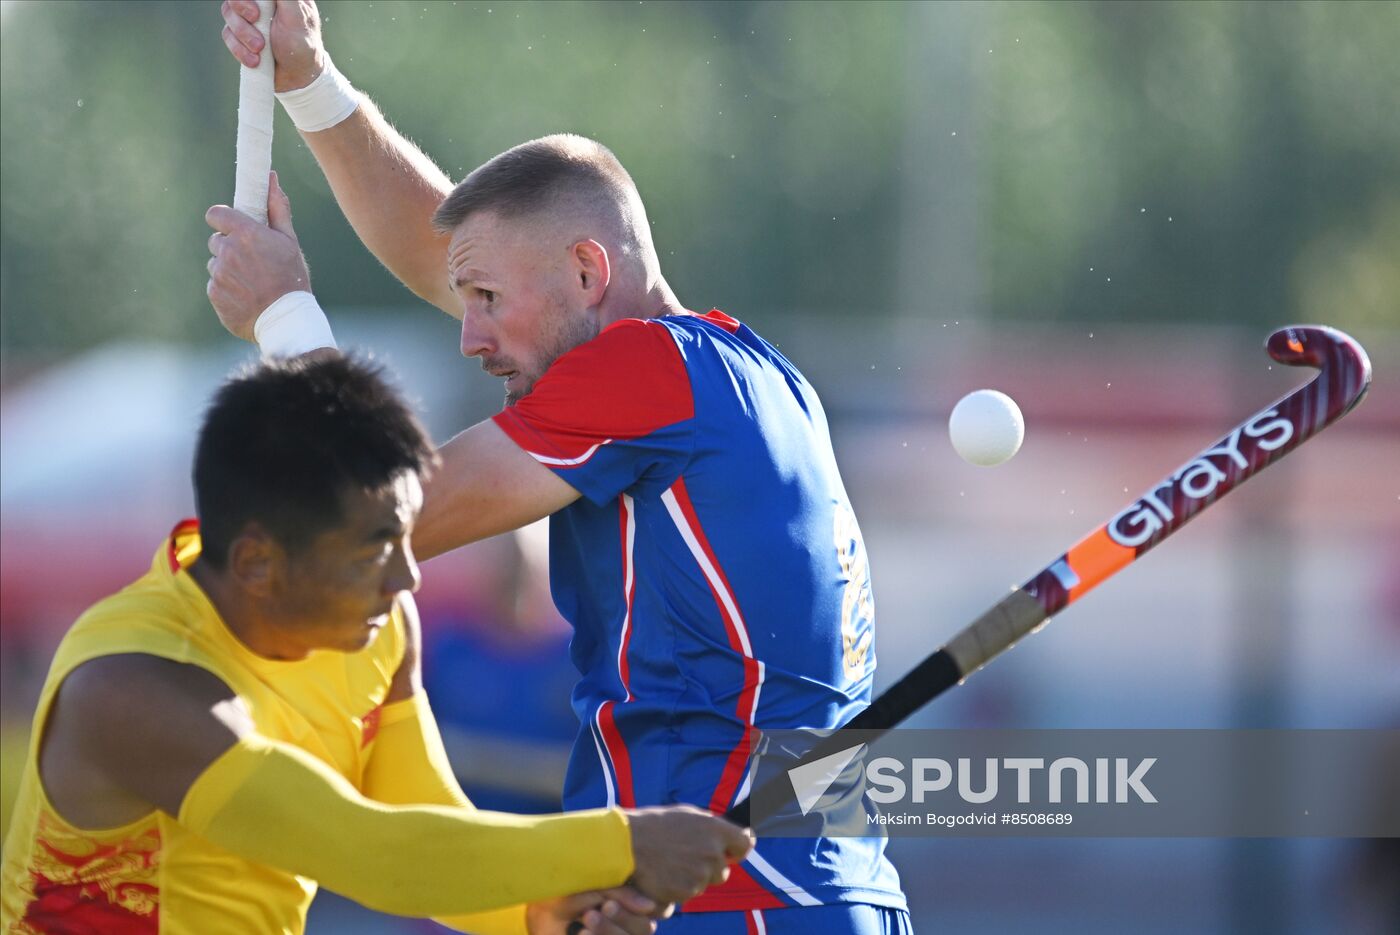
{"x": 488, "y": 295}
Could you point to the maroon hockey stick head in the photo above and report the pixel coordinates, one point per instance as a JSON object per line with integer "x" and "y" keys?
{"x": 1346, "y": 370}
{"x": 1256, "y": 443}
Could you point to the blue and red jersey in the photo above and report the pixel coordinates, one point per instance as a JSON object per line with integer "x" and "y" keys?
{"x": 715, "y": 577}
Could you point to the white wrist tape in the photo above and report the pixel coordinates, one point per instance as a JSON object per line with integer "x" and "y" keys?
{"x": 323, "y": 103}
{"x": 291, "y": 326}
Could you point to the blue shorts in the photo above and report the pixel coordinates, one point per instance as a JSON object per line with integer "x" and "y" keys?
{"x": 836, "y": 919}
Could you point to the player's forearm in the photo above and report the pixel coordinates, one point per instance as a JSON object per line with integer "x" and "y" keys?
{"x": 275, "y": 804}
{"x": 409, "y": 765}
{"x": 388, "y": 189}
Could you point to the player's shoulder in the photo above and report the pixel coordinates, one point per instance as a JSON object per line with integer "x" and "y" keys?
{"x": 148, "y": 597}
{"x": 128, "y": 693}
{"x": 140, "y": 619}
{"x": 686, "y": 328}
{"x": 627, "y": 353}
{"x": 631, "y": 338}
{"x": 140, "y": 675}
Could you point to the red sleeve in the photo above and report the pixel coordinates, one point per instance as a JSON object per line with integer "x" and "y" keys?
{"x": 626, "y": 383}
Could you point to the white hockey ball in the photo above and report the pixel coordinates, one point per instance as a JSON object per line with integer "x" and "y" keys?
{"x": 986, "y": 427}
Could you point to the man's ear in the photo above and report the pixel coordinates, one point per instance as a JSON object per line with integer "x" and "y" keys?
{"x": 592, "y": 270}
{"x": 256, "y": 561}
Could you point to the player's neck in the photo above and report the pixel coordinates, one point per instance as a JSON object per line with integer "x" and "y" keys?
{"x": 663, "y": 300}
{"x": 653, "y": 302}
{"x": 241, "y": 616}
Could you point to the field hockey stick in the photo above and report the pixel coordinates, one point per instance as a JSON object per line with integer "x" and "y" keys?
{"x": 1252, "y": 446}
{"x": 256, "y": 103}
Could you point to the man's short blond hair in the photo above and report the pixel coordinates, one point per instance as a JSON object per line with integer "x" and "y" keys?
{"x": 560, "y": 172}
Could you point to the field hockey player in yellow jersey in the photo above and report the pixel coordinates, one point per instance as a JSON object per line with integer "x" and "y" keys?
{"x": 246, "y": 721}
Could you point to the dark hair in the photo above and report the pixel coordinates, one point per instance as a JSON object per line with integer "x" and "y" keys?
{"x": 526, "y": 178}
{"x": 283, "y": 442}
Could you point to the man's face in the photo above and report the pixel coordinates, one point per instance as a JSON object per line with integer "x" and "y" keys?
{"x": 519, "y": 310}
{"x": 337, "y": 592}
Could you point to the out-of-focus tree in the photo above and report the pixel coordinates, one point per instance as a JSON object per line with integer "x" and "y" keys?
{"x": 1227, "y": 162}
{"x": 1262, "y": 140}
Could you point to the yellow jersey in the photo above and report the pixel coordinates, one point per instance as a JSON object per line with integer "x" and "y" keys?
{"x": 154, "y": 877}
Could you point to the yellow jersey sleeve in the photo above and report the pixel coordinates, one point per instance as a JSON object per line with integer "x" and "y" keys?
{"x": 409, "y": 764}
{"x": 273, "y": 803}
{"x": 508, "y": 921}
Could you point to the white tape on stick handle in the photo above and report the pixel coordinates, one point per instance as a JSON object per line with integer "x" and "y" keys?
{"x": 255, "y": 106}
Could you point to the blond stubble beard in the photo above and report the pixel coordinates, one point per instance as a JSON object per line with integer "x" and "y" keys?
{"x": 570, "y": 332}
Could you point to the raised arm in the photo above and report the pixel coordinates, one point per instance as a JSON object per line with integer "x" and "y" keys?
{"x": 386, "y": 186}
{"x": 486, "y": 484}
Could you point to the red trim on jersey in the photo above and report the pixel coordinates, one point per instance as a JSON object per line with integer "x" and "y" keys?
{"x": 625, "y": 514}
{"x": 751, "y": 922}
{"x": 737, "y": 632}
{"x": 740, "y": 893}
{"x": 724, "y": 321}
{"x": 626, "y": 383}
{"x": 183, "y": 528}
{"x": 738, "y": 757}
{"x": 369, "y": 725}
{"x": 617, "y": 752}
{"x": 744, "y": 709}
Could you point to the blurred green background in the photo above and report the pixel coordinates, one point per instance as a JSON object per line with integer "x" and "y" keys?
{"x": 1220, "y": 162}
{"x": 1100, "y": 208}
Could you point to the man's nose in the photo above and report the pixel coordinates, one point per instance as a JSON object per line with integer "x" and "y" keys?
{"x": 476, "y": 341}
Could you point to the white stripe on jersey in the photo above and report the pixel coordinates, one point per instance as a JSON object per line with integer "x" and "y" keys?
{"x": 784, "y": 885}
{"x": 603, "y": 759}
{"x": 683, "y": 525}
{"x": 568, "y": 462}
{"x": 628, "y": 576}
